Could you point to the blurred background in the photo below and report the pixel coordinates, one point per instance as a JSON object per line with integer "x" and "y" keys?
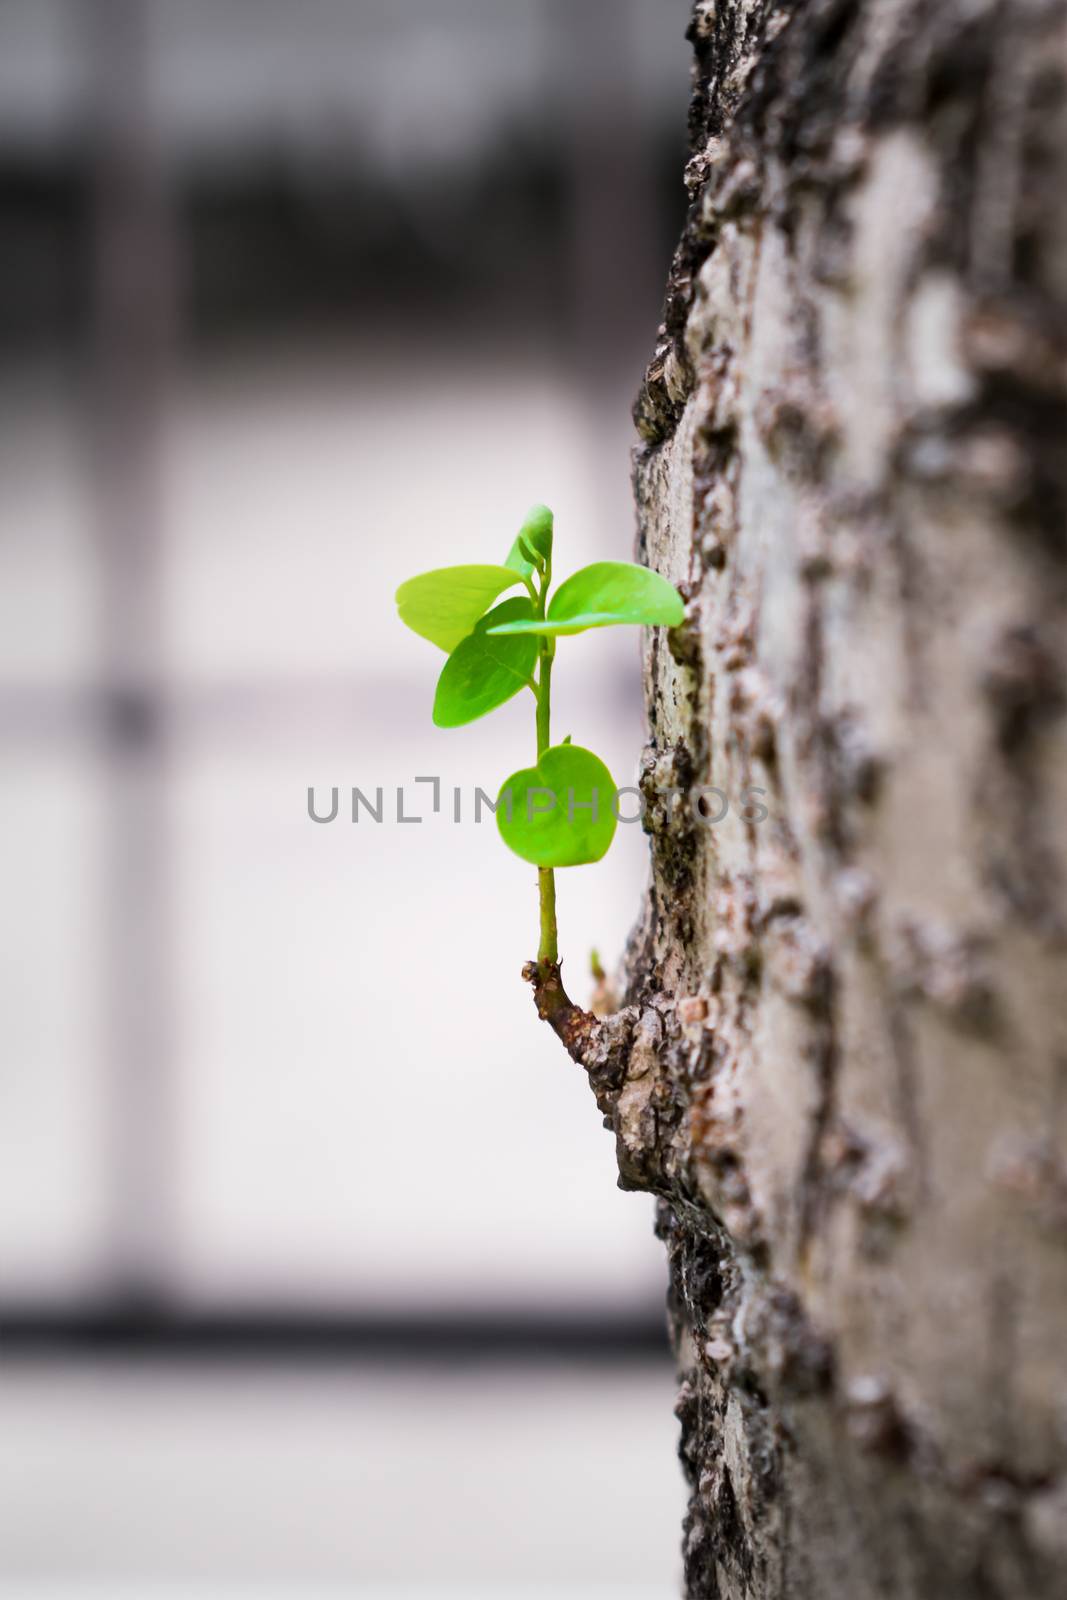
{"x": 313, "y": 1275}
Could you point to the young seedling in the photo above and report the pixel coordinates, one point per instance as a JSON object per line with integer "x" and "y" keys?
{"x": 560, "y": 812}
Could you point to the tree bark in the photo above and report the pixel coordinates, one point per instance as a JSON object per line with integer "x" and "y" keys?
{"x": 843, "y": 1061}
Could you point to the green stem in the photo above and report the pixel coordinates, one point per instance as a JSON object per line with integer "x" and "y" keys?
{"x": 544, "y": 698}
{"x": 548, "y": 951}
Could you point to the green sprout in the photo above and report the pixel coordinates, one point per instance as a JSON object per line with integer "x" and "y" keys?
{"x": 561, "y": 812}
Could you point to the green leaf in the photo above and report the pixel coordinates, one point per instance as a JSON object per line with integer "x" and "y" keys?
{"x": 560, "y": 813}
{"x": 536, "y": 533}
{"x": 482, "y": 673}
{"x": 605, "y": 594}
{"x": 444, "y": 605}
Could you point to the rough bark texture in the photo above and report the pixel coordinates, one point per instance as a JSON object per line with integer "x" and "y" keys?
{"x": 843, "y": 1064}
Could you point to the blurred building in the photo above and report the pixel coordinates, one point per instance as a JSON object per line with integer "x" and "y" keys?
{"x": 321, "y": 160}
{"x": 298, "y": 300}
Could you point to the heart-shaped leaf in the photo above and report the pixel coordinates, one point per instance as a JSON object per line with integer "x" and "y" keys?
{"x": 560, "y": 813}
{"x": 606, "y": 594}
{"x": 536, "y": 534}
{"x": 444, "y": 605}
{"x": 482, "y": 673}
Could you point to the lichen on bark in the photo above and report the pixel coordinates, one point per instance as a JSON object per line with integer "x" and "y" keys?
{"x": 842, "y": 1061}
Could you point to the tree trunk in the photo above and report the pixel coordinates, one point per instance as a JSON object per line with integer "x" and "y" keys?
{"x": 843, "y": 1065}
